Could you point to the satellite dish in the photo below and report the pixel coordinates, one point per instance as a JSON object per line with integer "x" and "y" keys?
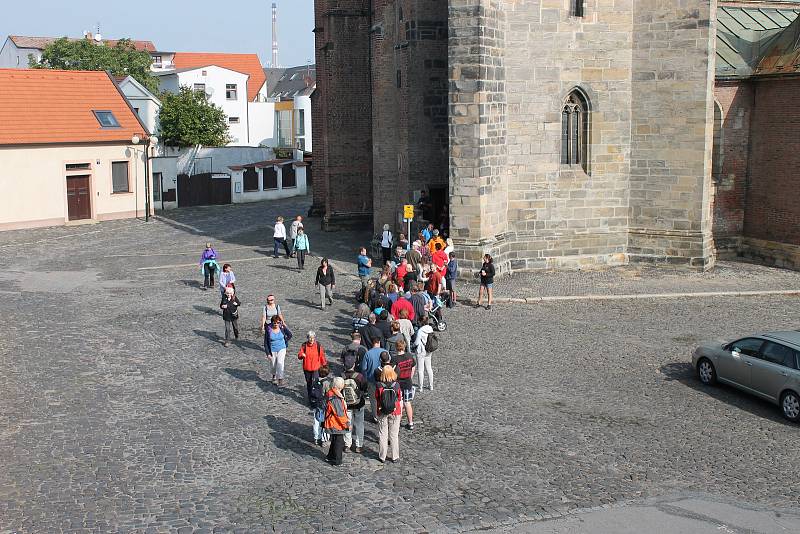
{"x": 209, "y": 91}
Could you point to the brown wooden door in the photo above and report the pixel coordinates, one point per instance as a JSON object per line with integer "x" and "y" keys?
{"x": 78, "y": 198}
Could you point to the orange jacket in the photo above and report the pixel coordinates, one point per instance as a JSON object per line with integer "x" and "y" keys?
{"x": 314, "y": 356}
{"x": 336, "y": 421}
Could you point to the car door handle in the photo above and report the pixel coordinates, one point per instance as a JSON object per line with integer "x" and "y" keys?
{"x": 749, "y": 364}
{"x": 784, "y": 374}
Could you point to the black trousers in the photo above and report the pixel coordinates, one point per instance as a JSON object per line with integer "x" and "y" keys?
{"x": 310, "y": 377}
{"x": 301, "y": 258}
{"x": 337, "y": 447}
{"x": 208, "y": 271}
{"x": 387, "y": 254}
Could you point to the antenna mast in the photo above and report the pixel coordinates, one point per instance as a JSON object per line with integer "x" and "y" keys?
{"x": 274, "y": 34}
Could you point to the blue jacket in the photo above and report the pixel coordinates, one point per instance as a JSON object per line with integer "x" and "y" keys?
{"x": 452, "y": 270}
{"x": 363, "y": 266}
{"x": 302, "y": 243}
{"x": 370, "y": 363}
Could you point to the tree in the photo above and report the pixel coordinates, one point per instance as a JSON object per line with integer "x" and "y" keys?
{"x": 188, "y": 119}
{"x": 83, "y": 54}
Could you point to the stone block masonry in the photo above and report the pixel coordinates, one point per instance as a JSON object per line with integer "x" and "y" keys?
{"x": 643, "y": 188}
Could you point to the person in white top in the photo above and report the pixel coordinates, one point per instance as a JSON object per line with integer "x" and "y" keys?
{"x": 279, "y": 236}
{"x": 297, "y": 223}
{"x": 386, "y": 244}
{"x": 423, "y": 357}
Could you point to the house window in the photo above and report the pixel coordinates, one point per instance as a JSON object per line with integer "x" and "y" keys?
{"x": 575, "y": 130}
{"x": 288, "y": 175}
{"x": 200, "y": 88}
{"x": 157, "y": 59}
{"x": 233, "y": 120}
{"x": 157, "y": 176}
{"x": 204, "y": 73}
{"x": 399, "y": 79}
{"x": 78, "y": 166}
{"x": 106, "y": 119}
{"x": 283, "y": 120}
{"x": 230, "y": 91}
{"x": 270, "y": 178}
{"x": 250, "y": 179}
{"x": 301, "y": 122}
{"x": 576, "y": 8}
{"x": 137, "y": 112}
{"x": 119, "y": 177}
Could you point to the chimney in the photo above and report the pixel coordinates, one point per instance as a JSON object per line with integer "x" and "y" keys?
{"x": 274, "y": 34}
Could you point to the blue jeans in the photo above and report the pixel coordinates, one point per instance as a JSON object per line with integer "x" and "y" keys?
{"x": 278, "y": 242}
{"x": 319, "y": 432}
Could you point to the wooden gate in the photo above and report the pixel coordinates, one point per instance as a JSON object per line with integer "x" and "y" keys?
{"x": 203, "y": 189}
{"x": 79, "y": 201}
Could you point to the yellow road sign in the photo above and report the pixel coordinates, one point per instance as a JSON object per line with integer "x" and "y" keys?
{"x": 408, "y": 211}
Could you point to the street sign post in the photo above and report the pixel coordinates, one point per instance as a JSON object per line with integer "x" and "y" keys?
{"x": 408, "y": 216}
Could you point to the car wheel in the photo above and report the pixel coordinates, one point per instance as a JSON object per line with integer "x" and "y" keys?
{"x": 706, "y": 372}
{"x": 790, "y": 405}
{"x": 442, "y": 326}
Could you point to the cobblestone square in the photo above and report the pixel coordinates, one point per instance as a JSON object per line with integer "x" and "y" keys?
{"x": 121, "y": 411}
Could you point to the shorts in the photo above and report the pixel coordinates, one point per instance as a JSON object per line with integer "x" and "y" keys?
{"x": 408, "y": 394}
{"x": 449, "y": 284}
{"x": 487, "y": 286}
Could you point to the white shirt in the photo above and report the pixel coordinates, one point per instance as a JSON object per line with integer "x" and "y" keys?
{"x": 422, "y": 338}
{"x": 387, "y": 239}
{"x": 293, "y": 229}
{"x": 280, "y": 230}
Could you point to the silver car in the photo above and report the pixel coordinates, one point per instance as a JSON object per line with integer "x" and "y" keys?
{"x": 766, "y": 365}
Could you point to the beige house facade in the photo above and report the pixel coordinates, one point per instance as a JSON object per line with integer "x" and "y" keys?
{"x": 38, "y": 182}
{"x": 72, "y": 150}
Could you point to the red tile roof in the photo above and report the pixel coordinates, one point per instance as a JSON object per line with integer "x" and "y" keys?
{"x": 41, "y": 106}
{"x": 246, "y": 63}
{"x": 40, "y": 43}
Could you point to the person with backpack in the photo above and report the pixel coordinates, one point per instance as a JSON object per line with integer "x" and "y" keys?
{"x": 355, "y": 349}
{"x": 404, "y": 363}
{"x": 208, "y": 266}
{"x": 302, "y": 247}
{"x": 276, "y": 341}
{"x": 426, "y": 343}
{"x": 230, "y": 314}
{"x": 312, "y": 355}
{"x": 369, "y": 364}
{"x": 355, "y": 392}
{"x": 326, "y": 282}
{"x": 406, "y": 328}
{"x": 390, "y": 411}
{"x": 297, "y": 223}
{"x": 318, "y": 390}
{"x": 269, "y": 311}
{"x": 384, "y": 325}
{"x": 336, "y": 422}
{"x": 386, "y": 244}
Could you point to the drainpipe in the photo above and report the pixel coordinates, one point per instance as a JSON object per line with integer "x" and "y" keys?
{"x": 147, "y": 180}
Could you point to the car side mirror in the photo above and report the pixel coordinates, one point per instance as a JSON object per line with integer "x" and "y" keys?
{"x": 736, "y": 352}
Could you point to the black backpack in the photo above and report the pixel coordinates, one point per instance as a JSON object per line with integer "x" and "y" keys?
{"x": 432, "y": 343}
{"x": 388, "y": 399}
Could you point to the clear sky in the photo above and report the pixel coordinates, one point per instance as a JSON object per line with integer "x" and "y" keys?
{"x": 242, "y": 26}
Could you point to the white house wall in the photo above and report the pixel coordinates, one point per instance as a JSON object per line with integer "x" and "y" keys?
{"x": 12, "y": 57}
{"x": 262, "y": 124}
{"x": 304, "y": 103}
{"x": 216, "y": 79}
{"x": 239, "y": 196}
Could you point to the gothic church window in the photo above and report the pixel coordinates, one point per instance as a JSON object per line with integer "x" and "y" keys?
{"x": 575, "y": 130}
{"x": 718, "y": 154}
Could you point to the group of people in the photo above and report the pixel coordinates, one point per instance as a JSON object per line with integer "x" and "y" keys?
{"x": 392, "y": 336}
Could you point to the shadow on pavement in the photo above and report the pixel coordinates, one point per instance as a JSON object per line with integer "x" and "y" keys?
{"x": 684, "y": 373}
{"x": 246, "y": 375}
{"x": 295, "y": 437}
{"x": 192, "y": 283}
{"x": 207, "y": 309}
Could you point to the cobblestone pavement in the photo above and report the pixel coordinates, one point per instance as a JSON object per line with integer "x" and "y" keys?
{"x": 120, "y": 410}
{"x": 637, "y": 279}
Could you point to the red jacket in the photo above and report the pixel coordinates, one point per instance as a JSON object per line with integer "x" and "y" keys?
{"x": 314, "y": 356}
{"x": 402, "y": 304}
{"x": 397, "y": 405}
